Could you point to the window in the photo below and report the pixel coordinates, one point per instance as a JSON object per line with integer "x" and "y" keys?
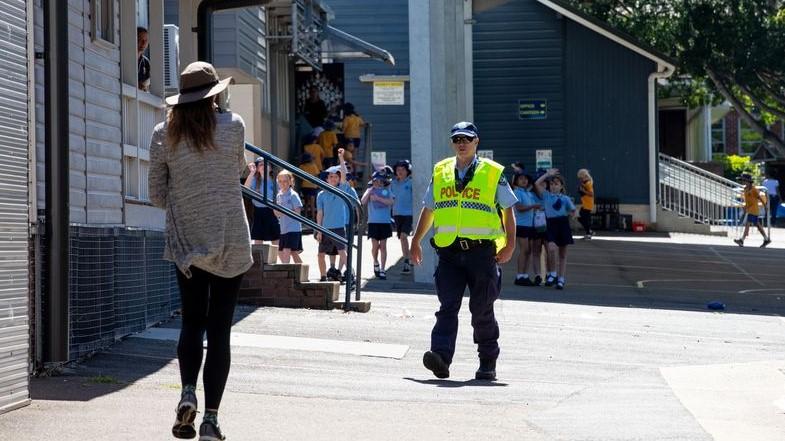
{"x": 718, "y": 136}
{"x": 749, "y": 139}
{"x": 103, "y": 20}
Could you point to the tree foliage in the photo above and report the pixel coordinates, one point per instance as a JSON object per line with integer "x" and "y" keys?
{"x": 730, "y": 50}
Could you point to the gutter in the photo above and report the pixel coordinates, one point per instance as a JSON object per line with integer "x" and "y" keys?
{"x": 57, "y": 185}
{"x": 663, "y": 71}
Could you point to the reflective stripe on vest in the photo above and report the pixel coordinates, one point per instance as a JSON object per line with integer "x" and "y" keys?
{"x": 471, "y": 213}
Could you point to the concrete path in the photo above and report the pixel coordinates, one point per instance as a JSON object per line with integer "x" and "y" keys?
{"x": 607, "y": 359}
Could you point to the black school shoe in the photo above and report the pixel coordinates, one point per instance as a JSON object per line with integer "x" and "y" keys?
{"x": 537, "y": 281}
{"x": 487, "y": 370}
{"x": 550, "y": 280}
{"x": 434, "y": 362}
{"x": 523, "y": 281}
{"x": 334, "y": 275}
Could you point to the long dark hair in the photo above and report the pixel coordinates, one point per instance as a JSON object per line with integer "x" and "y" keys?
{"x": 193, "y": 123}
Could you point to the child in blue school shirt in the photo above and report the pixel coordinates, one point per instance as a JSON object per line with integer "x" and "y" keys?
{"x": 331, "y": 213}
{"x": 527, "y": 204}
{"x": 558, "y": 208}
{"x": 379, "y": 198}
{"x": 403, "y": 214}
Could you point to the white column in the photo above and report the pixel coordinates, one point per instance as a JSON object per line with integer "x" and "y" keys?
{"x": 441, "y": 92}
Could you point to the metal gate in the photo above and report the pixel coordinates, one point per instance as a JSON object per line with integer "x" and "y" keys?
{"x": 14, "y": 298}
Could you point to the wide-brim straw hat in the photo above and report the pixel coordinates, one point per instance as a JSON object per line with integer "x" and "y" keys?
{"x": 198, "y": 81}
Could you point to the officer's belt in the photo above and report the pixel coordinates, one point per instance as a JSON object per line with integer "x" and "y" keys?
{"x": 464, "y": 244}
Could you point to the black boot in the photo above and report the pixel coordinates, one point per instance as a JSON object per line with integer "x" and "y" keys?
{"x": 435, "y": 363}
{"x": 487, "y": 370}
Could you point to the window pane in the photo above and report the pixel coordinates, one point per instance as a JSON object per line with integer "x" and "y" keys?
{"x": 142, "y": 13}
{"x": 106, "y": 23}
{"x": 718, "y": 137}
{"x": 749, "y": 139}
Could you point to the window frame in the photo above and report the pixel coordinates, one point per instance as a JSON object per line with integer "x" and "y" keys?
{"x": 724, "y": 140}
{"x": 97, "y": 32}
{"x": 741, "y": 130}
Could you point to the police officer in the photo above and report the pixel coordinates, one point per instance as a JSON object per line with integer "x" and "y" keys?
{"x": 471, "y": 239}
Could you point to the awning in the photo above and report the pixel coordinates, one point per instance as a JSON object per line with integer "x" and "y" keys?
{"x": 340, "y": 45}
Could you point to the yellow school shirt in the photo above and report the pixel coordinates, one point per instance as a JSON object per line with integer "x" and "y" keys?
{"x": 316, "y": 152}
{"x": 327, "y": 140}
{"x": 313, "y": 169}
{"x": 751, "y": 197}
{"x": 587, "y": 202}
{"x": 351, "y": 126}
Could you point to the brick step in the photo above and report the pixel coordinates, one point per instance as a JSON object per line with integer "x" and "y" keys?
{"x": 300, "y": 270}
{"x": 286, "y": 285}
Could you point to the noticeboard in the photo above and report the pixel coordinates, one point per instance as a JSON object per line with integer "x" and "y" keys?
{"x": 388, "y": 93}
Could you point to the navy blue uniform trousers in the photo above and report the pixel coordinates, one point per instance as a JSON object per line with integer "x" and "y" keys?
{"x": 477, "y": 269}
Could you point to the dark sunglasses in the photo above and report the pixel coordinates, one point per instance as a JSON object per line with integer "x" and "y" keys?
{"x": 461, "y": 139}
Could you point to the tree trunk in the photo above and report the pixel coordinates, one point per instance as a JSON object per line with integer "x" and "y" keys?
{"x": 768, "y": 136}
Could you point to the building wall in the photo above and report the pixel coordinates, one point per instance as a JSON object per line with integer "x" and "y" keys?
{"x": 239, "y": 40}
{"x": 606, "y": 114}
{"x": 384, "y": 24}
{"x": 519, "y": 54}
{"x": 95, "y": 119}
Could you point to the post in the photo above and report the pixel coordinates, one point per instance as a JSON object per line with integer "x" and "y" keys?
{"x": 440, "y": 95}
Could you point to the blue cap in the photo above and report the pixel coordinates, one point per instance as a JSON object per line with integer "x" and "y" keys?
{"x": 464, "y": 128}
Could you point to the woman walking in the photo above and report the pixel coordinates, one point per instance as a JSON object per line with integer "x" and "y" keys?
{"x": 196, "y": 161}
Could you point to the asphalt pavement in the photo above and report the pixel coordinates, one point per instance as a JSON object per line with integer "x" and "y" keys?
{"x": 629, "y": 351}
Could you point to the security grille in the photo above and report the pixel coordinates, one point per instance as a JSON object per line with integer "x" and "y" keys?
{"x": 14, "y": 221}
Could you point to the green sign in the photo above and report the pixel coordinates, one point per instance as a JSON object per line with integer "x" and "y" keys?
{"x": 532, "y": 109}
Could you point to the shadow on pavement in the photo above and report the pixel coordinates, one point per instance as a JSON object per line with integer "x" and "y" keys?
{"x": 116, "y": 367}
{"x": 655, "y": 273}
{"x": 452, "y": 383}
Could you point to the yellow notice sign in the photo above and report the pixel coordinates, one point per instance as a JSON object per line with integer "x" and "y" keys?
{"x": 388, "y": 93}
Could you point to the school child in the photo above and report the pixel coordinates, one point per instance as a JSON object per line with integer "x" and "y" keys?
{"x": 309, "y": 189}
{"x": 586, "y": 190}
{"x": 558, "y": 208}
{"x": 379, "y": 199}
{"x": 291, "y": 242}
{"x": 265, "y": 225}
{"x": 328, "y": 140}
{"x": 751, "y": 198}
{"x": 332, "y": 214}
{"x": 524, "y": 228}
{"x": 403, "y": 214}
{"x": 313, "y": 148}
{"x": 352, "y": 122}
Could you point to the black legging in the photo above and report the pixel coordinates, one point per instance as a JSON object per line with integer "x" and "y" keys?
{"x": 585, "y": 220}
{"x": 208, "y": 305}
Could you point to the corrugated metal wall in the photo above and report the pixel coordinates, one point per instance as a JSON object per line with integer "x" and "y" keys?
{"x": 14, "y": 132}
{"x": 384, "y": 24}
{"x": 607, "y": 118}
{"x": 519, "y": 54}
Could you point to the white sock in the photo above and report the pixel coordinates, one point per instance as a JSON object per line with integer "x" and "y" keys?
{"x": 552, "y": 274}
{"x": 561, "y": 279}
{"x": 522, "y": 276}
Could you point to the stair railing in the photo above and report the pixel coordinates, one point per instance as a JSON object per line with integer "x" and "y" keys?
{"x": 352, "y": 204}
{"x": 698, "y": 194}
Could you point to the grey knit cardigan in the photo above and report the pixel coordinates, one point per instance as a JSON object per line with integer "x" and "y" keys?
{"x": 206, "y": 224}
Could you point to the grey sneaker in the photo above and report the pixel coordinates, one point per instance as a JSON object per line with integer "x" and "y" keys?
{"x": 183, "y": 427}
{"x": 406, "y": 269}
{"x": 210, "y": 431}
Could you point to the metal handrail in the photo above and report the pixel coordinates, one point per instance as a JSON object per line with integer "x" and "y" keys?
{"x": 696, "y": 193}
{"x": 352, "y": 203}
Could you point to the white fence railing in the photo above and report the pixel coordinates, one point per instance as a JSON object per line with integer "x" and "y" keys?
{"x": 698, "y": 194}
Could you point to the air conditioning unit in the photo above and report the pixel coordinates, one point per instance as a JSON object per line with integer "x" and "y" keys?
{"x": 171, "y": 59}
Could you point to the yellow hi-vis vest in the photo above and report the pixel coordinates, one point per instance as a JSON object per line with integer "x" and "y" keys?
{"x": 471, "y": 213}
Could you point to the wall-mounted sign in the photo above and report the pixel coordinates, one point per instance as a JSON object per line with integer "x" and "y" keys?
{"x": 532, "y": 109}
{"x": 378, "y": 160}
{"x": 388, "y": 93}
{"x": 544, "y": 159}
{"x": 487, "y": 154}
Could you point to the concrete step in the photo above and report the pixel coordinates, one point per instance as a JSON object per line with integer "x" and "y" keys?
{"x": 354, "y": 305}
{"x": 299, "y": 269}
{"x": 265, "y": 253}
{"x": 672, "y": 222}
